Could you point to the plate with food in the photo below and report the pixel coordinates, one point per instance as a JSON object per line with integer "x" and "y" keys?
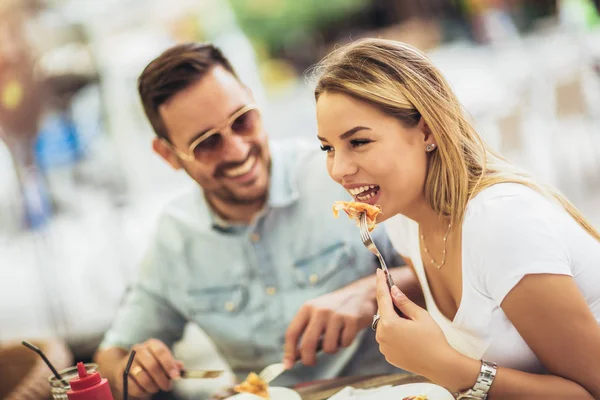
{"x": 254, "y": 388}
{"x": 410, "y": 391}
{"x": 417, "y": 391}
{"x": 274, "y": 393}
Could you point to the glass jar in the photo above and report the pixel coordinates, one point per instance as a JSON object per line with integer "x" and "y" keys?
{"x": 58, "y": 389}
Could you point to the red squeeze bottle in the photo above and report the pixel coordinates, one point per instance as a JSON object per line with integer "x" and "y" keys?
{"x": 89, "y": 386}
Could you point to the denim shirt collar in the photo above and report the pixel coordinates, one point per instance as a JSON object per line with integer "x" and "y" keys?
{"x": 283, "y": 185}
{"x": 283, "y": 190}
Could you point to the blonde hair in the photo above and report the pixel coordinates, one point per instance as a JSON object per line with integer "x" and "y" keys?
{"x": 402, "y": 82}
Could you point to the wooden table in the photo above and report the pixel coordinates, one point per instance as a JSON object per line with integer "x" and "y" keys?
{"x": 320, "y": 390}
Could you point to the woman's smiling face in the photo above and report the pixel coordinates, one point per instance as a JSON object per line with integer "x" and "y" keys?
{"x": 372, "y": 154}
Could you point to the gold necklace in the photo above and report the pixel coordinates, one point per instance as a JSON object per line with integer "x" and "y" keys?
{"x": 444, "y": 253}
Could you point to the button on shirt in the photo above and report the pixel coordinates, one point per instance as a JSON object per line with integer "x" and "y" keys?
{"x": 243, "y": 284}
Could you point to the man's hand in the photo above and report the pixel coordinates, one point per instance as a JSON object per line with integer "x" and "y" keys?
{"x": 335, "y": 318}
{"x": 153, "y": 368}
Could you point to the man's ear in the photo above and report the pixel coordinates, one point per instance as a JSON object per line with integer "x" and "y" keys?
{"x": 428, "y": 138}
{"x": 162, "y": 149}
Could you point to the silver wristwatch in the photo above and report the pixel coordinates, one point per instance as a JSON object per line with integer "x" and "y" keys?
{"x": 479, "y": 391}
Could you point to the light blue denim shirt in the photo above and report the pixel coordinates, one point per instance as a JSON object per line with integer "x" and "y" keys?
{"x": 244, "y": 284}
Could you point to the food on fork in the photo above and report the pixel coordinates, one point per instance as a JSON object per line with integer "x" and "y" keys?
{"x": 354, "y": 209}
{"x": 255, "y": 385}
{"x": 419, "y": 397}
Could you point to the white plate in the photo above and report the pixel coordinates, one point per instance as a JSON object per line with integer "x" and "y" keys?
{"x": 275, "y": 393}
{"x": 433, "y": 392}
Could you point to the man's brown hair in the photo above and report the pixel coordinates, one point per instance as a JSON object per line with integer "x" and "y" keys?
{"x": 173, "y": 71}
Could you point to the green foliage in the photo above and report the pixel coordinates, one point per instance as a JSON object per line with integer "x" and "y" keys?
{"x": 275, "y": 23}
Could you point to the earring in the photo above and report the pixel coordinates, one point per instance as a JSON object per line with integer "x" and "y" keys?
{"x": 430, "y": 147}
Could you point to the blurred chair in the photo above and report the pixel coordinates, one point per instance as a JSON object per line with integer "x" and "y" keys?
{"x": 23, "y": 373}
{"x": 570, "y": 98}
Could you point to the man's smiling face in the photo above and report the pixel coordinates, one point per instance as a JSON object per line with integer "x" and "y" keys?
{"x": 232, "y": 164}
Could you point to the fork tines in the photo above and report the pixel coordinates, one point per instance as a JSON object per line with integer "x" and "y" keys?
{"x": 271, "y": 372}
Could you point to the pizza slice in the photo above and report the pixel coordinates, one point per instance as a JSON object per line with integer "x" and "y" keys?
{"x": 354, "y": 209}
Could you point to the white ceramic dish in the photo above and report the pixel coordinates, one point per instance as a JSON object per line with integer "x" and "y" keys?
{"x": 433, "y": 392}
{"x": 275, "y": 393}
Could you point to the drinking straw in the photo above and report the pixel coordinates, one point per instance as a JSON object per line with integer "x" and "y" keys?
{"x": 126, "y": 375}
{"x": 48, "y": 363}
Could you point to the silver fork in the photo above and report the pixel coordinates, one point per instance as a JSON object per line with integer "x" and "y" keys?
{"x": 367, "y": 240}
{"x": 272, "y": 371}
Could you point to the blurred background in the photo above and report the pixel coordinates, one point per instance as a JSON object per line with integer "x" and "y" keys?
{"x": 80, "y": 187}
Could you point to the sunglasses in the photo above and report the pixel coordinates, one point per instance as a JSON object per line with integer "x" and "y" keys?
{"x": 244, "y": 122}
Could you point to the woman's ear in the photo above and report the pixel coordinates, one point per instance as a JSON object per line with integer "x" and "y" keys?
{"x": 428, "y": 139}
{"x": 164, "y": 151}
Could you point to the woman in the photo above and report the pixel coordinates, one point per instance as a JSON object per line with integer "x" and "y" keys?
{"x": 510, "y": 270}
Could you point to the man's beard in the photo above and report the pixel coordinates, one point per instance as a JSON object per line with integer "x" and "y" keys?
{"x": 228, "y": 196}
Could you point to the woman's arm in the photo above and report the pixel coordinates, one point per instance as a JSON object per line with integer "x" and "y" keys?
{"x": 552, "y": 316}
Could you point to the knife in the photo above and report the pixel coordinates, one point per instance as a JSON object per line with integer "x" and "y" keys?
{"x": 201, "y": 373}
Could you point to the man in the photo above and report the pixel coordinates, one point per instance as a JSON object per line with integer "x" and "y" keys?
{"x": 255, "y": 258}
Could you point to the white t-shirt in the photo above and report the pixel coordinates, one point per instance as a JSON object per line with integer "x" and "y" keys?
{"x": 509, "y": 231}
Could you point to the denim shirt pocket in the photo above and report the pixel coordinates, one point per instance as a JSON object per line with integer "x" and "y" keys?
{"x": 224, "y": 299}
{"x": 219, "y": 311}
{"x": 323, "y": 265}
